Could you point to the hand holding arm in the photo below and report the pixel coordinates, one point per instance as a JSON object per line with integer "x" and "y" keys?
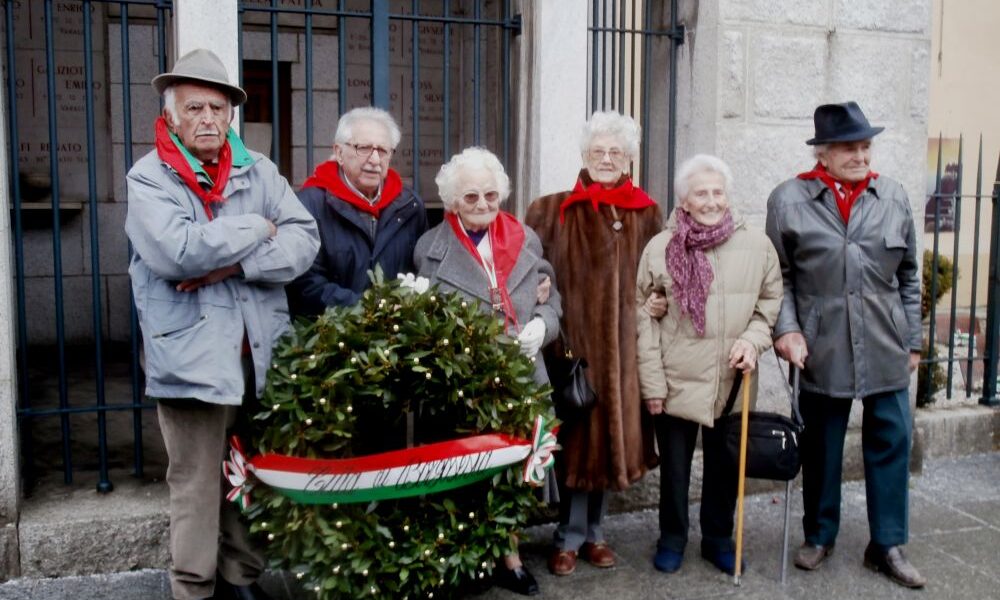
{"x": 656, "y": 304}
{"x": 544, "y": 288}
{"x": 215, "y": 276}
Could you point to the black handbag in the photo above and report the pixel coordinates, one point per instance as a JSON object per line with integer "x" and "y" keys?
{"x": 571, "y": 392}
{"x": 772, "y": 439}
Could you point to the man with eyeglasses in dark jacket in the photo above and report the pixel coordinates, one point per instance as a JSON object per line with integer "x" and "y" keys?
{"x": 366, "y": 217}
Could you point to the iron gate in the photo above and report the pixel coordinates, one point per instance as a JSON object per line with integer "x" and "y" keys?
{"x": 82, "y": 85}
{"x": 633, "y": 45}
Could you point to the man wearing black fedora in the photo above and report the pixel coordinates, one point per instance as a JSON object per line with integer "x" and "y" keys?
{"x": 217, "y": 232}
{"x": 850, "y": 320}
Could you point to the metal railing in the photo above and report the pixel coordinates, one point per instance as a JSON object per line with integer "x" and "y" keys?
{"x": 79, "y": 372}
{"x": 468, "y": 37}
{"x": 944, "y": 215}
{"x": 61, "y": 207}
{"x": 629, "y": 41}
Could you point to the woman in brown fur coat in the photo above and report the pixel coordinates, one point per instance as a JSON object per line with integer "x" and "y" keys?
{"x": 594, "y": 236}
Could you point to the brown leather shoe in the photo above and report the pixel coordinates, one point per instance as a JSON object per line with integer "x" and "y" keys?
{"x": 894, "y": 564}
{"x": 599, "y": 554}
{"x": 811, "y": 556}
{"x": 562, "y": 562}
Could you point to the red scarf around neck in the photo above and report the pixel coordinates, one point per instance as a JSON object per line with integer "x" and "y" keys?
{"x": 626, "y": 195}
{"x": 327, "y": 177}
{"x": 844, "y": 203}
{"x": 169, "y": 153}
{"x": 506, "y": 235}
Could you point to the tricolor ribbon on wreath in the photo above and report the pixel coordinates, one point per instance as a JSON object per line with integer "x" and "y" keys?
{"x": 397, "y": 474}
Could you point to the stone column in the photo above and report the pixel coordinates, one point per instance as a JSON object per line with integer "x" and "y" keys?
{"x": 10, "y": 477}
{"x": 552, "y": 98}
{"x": 210, "y": 25}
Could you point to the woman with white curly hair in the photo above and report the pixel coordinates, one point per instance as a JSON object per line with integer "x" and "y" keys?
{"x": 593, "y": 236}
{"x": 489, "y": 256}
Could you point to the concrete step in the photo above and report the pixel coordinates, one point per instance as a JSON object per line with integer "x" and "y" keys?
{"x": 954, "y": 505}
{"x": 75, "y": 532}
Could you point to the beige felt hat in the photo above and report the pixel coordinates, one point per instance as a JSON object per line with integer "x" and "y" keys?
{"x": 201, "y": 66}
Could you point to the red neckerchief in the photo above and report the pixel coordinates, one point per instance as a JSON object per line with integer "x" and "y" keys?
{"x": 626, "y": 195}
{"x": 844, "y": 204}
{"x": 327, "y": 176}
{"x": 169, "y": 153}
{"x": 506, "y": 239}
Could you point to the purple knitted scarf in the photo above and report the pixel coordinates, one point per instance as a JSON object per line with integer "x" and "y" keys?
{"x": 689, "y": 267}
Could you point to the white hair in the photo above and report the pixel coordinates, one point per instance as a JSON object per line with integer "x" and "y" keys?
{"x": 700, "y": 163}
{"x": 614, "y": 124}
{"x": 450, "y": 176}
{"x": 345, "y": 126}
{"x": 170, "y": 101}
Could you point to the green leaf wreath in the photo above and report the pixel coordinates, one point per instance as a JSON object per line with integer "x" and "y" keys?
{"x": 433, "y": 354}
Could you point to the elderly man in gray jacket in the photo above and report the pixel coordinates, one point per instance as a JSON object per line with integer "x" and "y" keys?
{"x": 217, "y": 233}
{"x": 850, "y": 319}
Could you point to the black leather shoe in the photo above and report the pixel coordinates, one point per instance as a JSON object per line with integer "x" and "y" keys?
{"x": 518, "y": 580}
{"x": 227, "y": 591}
{"x": 223, "y": 589}
{"x": 810, "y": 556}
{"x": 894, "y": 565}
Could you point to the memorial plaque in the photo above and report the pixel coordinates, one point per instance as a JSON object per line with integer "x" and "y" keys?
{"x": 31, "y": 72}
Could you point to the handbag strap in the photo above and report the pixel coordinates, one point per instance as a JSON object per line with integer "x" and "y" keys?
{"x": 735, "y": 391}
{"x": 566, "y": 350}
{"x": 793, "y": 392}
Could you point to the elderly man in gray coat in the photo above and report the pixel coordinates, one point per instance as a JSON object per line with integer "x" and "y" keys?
{"x": 217, "y": 232}
{"x": 850, "y": 319}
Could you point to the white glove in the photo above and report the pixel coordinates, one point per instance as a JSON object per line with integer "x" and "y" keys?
{"x": 411, "y": 281}
{"x": 531, "y": 337}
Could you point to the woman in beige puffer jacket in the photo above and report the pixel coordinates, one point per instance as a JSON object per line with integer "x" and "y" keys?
{"x": 723, "y": 286}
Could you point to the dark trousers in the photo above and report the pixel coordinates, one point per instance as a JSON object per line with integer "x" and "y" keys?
{"x": 886, "y": 434}
{"x": 676, "y": 438}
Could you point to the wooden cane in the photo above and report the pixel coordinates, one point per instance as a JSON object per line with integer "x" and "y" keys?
{"x": 744, "y": 427}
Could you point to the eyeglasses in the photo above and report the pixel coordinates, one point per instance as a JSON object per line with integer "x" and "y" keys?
{"x": 366, "y": 150}
{"x": 597, "y": 154}
{"x": 472, "y": 198}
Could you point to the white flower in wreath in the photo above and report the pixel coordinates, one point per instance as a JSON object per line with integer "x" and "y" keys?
{"x": 411, "y": 281}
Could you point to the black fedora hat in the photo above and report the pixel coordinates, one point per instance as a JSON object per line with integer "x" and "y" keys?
{"x": 841, "y": 123}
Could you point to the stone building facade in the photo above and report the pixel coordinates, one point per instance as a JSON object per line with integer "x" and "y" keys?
{"x": 749, "y": 73}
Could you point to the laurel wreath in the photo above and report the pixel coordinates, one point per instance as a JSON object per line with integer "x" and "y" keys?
{"x": 432, "y": 354}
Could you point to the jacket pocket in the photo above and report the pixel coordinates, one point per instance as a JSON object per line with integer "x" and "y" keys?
{"x": 167, "y": 311}
{"x": 894, "y": 241}
{"x": 168, "y": 318}
{"x": 886, "y": 260}
{"x": 899, "y": 323}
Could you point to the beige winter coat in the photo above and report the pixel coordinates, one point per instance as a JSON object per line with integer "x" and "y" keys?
{"x": 692, "y": 372}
